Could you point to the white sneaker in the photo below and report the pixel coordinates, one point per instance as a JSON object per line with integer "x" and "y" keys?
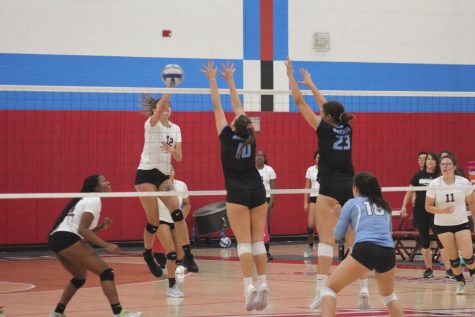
{"x": 180, "y": 270}
{"x": 363, "y": 302}
{"x": 251, "y": 296}
{"x": 261, "y": 301}
{"x": 308, "y": 252}
{"x": 174, "y": 292}
{"x": 126, "y": 313}
{"x": 316, "y": 302}
{"x": 460, "y": 289}
{"x": 55, "y": 314}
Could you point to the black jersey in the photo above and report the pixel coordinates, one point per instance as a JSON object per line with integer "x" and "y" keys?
{"x": 239, "y": 165}
{"x": 422, "y": 178}
{"x": 335, "y": 148}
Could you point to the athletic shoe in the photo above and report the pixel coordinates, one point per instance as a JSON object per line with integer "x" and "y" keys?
{"x": 190, "y": 263}
{"x": 363, "y": 302}
{"x": 53, "y": 314}
{"x": 460, "y": 289}
{"x": 174, "y": 292}
{"x": 450, "y": 275}
{"x": 161, "y": 259}
{"x": 269, "y": 257}
{"x": 262, "y": 294}
{"x": 180, "y": 270}
{"x": 428, "y": 273}
{"x": 316, "y": 302}
{"x": 154, "y": 268}
{"x": 126, "y": 313}
{"x": 251, "y": 296}
{"x": 308, "y": 252}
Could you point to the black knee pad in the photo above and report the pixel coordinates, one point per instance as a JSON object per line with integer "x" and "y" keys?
{"x": 455, "y": 263}
{"x": 77, "y": 283}
{"x": 107, "y": 275}
{"x": 309, "y": 230}
{"x": 151, "y": 228}
{"x": 469, "y": 261}
{"x": 171, "y": 256}
{"x": 177, "y": 215}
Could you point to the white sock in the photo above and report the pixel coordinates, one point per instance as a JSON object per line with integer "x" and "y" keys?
{"x": 363, "y": 285}
{"x": 321, "y": 280}
{"x": 262, "y": 280}
{"x": 247, "y": 282}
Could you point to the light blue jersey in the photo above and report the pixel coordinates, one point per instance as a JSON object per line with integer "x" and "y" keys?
{"x": 369, "y": 222}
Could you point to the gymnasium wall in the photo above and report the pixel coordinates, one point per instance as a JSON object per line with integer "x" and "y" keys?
{"x": 50, "y": 144}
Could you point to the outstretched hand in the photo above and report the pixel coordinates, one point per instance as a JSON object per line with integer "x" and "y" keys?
{"x": 306, "y": 77}
{"x": 209, "y": 70}
{"x": 228, "y": 71}
{"x": 290, "y": 68}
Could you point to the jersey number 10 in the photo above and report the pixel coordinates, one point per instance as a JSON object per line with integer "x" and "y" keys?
{"x": 243, "y": 152}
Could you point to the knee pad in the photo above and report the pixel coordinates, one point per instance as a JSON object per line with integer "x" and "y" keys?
{"x": 326, "y": 291}
{"x": 325, "y": 250}
{"x": 171, "y": 256}
{"x": 243, "y": 248}
{"x": 151, "y": 228}
{"x": 78, "y": 283}
{"x": 107, "y": 275}
{"x": 258, "y": 248}
{"x": 177, "y": 215}
{"x": 469, "y": 261}
{"x": 455, "y": 263}
{"x": 309, "y": 230}
{"x": 387, "y": 299}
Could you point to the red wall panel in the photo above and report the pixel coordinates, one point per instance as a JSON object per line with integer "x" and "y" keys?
{"x": 53, "y": 151}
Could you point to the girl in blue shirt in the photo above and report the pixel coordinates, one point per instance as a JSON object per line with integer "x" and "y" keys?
{"x": 370, "y": 218}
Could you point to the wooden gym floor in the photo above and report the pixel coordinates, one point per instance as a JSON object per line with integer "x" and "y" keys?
{"x": 31, "y": 286}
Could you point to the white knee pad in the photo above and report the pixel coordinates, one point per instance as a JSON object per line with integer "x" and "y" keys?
{"x": 258, "y": 248}
{"x": 326, "y": 291}
{"x": 325, "y": 250}
{"x": 243, "y": 248}
{"x": 387, "y": 299}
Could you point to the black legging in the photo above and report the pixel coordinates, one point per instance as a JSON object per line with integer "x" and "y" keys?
{"x": 423, "y": 221}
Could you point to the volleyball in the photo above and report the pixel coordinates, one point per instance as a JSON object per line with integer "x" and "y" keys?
{"x": 225, "y": 242}
{"x": 172, "y": 75}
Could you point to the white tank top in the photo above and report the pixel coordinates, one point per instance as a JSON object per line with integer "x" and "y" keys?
{"x": 72, "y": 220}
{"x": 152, "y": 156}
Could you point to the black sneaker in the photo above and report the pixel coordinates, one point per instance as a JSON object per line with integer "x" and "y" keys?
{"x": 154, "y": 268}
{"x": 428, "y": 273}
{"x": 450, "y": 275}
{"x": 161, "y": 259}
{"x": 269, "y": 257}
{"x": 190, "y": 263}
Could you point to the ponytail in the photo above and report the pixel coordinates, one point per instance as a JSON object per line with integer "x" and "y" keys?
{"x": 148, "y": 104}
{"x": 245, "y": 129}
{"x": 337, "y": 112}
{"x": 89, "y": 186}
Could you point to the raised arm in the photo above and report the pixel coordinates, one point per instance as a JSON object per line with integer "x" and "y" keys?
{"x": 307, "y": 81}
{"x": 163, "y": 105}
{"x": 307, "y": 112}
{"x": 210, "y": 73}
{"x": 228, "y": 75}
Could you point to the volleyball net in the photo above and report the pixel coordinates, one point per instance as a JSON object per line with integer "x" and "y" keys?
{"x": 53, "y": 137}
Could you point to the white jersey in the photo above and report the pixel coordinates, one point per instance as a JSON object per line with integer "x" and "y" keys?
{"x": 267, "y": 174}
{"x": 446, "y": 196}
{"x": 72, "y": 220}
{"x": 163, "y": 211}
{"x": 312, "y": 173}
{"x": 152, "y": 155}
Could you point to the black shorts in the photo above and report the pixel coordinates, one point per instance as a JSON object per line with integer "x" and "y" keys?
{"x": 61, "y": 240}
{"x": 171, "y": 225}
{"x": 338, "y": 187}
{"x": 153, "y": 176}
{"x": 453, "y": 229}
{"x": 312, "y": 200}
{"x": 423, "y": 221}
{"x": 248, "y": 198}
{"x": 374, "y": 257}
